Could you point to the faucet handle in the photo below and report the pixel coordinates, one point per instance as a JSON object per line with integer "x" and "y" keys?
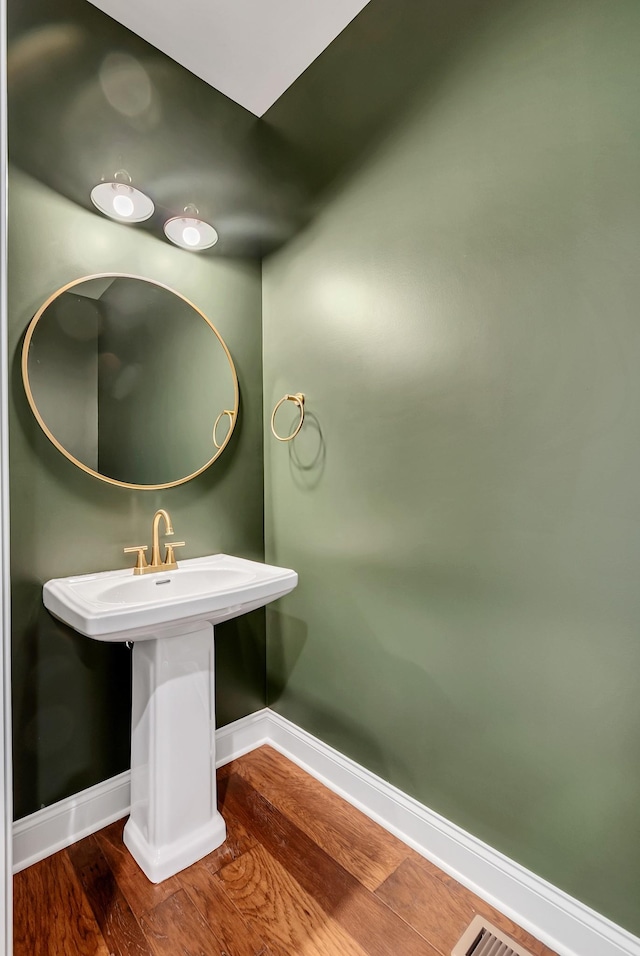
{"x": 141, "y": 562}
{"x": 170, "y": 558}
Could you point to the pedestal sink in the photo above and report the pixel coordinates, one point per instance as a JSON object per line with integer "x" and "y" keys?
{"x": 170, "y": 617}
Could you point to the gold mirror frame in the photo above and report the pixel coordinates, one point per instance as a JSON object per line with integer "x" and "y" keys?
{"x": 34, "y": 408}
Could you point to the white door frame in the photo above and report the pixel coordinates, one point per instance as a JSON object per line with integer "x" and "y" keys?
{"x": 6, "y": 928}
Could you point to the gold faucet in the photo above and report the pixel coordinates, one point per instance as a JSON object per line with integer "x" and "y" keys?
{"x": 169, "y": 563}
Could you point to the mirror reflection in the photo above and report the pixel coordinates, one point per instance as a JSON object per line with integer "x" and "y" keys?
{"x": 128, "y": 378}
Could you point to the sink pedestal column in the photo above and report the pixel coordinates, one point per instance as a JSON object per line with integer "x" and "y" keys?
{"x": 174, "y": 818}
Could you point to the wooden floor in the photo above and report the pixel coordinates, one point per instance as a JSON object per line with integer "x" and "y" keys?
{"x": 301, "y": 873}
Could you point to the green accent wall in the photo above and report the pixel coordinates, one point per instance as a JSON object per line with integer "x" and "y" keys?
{"x": 71, "y": 695}
{"x": 462, "y": 502}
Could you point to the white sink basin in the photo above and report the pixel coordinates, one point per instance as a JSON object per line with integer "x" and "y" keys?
{"x": 122, "y": 606}
{"x": 170, "y": 618}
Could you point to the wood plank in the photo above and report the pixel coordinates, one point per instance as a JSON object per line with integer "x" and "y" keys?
{"x": 274, "y": 888}
{"x": 440, "y": 909}
{"x": 140, "y": 894}
{"x": 52, "y": 915}
{"x": 363, "y": 916}
{"x": 176, "y": 928}
{"x": 289, "y": 919}
{"x": 235, "y": 935}
{"x": 365, "y": 849}
{"x": 238, "y": 841}
{"x": 228, "y": 768}
{"x": 113, "y": 914}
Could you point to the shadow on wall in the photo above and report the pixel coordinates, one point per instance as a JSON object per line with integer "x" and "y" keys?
{"x": 65, "y": 674}
{"x": 288, "y": 636}
{"x": 379, "y": 684}
{"x": 307, "y": 454}
{"x": 240, "y": 654}
{"x": 391, "y": 50}
{"x": 369, "y": 740}
{"x": 88, "y": 98}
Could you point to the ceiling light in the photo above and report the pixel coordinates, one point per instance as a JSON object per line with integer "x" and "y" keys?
{"x": 122, "y": 201}
{"x": 190, "y": 232}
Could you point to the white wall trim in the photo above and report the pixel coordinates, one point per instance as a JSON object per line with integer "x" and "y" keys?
{"x": 242, "y": 736}
{"x": 563, "y": 923}
{"x": 58, "y": 826}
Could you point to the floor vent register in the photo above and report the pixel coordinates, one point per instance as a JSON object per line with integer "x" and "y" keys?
{"x": 481, "y": 938}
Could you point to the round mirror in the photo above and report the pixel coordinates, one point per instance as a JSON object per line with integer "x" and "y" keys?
{"x": 130, "y": 381}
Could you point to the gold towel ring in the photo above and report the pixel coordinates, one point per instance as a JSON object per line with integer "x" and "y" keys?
{"x": 298, "y": 398}
{"x": 217, "y": 422}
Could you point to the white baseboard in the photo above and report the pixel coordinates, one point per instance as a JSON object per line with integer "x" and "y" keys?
{"x": 242, "y": 736}
{"x": 561, "y": 922}
{"x": 53, "y": 828}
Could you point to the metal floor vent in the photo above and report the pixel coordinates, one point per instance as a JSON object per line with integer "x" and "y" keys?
{"x": 481, "y": 938}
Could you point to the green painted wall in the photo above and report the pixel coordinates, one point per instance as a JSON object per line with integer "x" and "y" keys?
{"x": 462, "y": 503}
{"x": 71, "y": 695}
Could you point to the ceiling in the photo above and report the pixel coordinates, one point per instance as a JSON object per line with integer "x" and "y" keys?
{"x": 250, "y": 50}
{"x": 89, "y": 96}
